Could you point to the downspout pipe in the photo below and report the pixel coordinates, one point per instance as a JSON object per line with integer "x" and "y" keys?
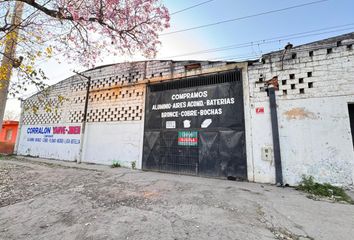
{"x": 275, "y": 133}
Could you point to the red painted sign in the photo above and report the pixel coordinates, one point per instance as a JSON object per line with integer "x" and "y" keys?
{"x": 259, "y": 110}
{"x": 67, "y": 130}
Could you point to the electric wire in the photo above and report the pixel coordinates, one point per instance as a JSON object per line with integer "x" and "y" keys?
{"x": 191, "y": 7}
{"x": 255, "y": 43}
{"x": 299, "y": 49}
{"x": 267, "y": 41}
{"x": 244, "y": 17}
{"x": 249, "y": 44}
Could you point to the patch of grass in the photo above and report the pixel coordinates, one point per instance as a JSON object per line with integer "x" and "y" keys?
{"x": 6, "y": 157}
{"x": 309, "y": 185}
{"x": 115, "y": 164}
{"x": 133, "y": 165}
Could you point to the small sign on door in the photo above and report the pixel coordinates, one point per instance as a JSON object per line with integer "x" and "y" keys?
{"x": 188, "y": 138}
{"x": 170, "y": 124}
{"x": 259, "y": 110}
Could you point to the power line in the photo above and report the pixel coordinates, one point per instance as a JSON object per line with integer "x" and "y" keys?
{"x": 193, "y": 6}
{"x": 294, "y": 50}
{"x": 269, "y": 40}
{"x": 243, "y": 56}
{"x": 249, "y": 43}
{"x": 179, "y": 11}
{"x": 244, "y": 17}
{"x": 280, "y": 40}
{"x": 255, "y": 43}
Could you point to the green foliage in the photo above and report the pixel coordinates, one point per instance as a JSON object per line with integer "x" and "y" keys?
{"x": 133, "y": 165}
{"x": 309, "y": 185}
{"x": 6, "y": 157}
{"x": 115, "y": 164}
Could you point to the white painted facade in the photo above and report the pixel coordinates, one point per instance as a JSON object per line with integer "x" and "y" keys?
{"x": 115, "y": 116}
{"x": 49, "y": 145}
{"x": 316, "y": 84}
{"x": 314, "y": 126}
{"x": 108, "y": 142}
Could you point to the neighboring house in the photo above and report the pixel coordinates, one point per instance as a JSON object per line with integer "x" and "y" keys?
{"x": 208, "y": 118}
{"x": 8, "y": 137}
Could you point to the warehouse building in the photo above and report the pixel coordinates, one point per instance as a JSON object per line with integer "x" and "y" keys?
{"x": 205, "y": 118}
{"x": 118, "y": 126}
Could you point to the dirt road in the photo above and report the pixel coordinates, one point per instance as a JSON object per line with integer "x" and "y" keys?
{"x": 45, "y": 199}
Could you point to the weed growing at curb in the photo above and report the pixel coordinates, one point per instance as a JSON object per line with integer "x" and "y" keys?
{"x": 133, "y": 165}
{"x": 115, "y": 164}
{"x": 6, "y": 156}
{"x": 327, "y": 190}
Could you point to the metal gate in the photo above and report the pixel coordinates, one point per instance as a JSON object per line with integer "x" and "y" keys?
{"x": 351, "y": 119}
{"x": 196, "y": 126}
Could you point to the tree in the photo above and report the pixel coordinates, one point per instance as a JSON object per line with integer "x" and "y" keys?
{"x": 80, "y": 30}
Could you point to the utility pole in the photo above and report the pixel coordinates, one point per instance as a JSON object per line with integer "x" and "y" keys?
{"x": 8, "y": 56}
{"x": 84, "y": 119}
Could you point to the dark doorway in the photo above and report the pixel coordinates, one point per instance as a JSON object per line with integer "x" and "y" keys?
{"x": 196, "y": 126}
{"x": 351, "y": 118}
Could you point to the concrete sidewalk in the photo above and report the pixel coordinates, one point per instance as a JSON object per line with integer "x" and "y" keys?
{"x": 46, "y": 199}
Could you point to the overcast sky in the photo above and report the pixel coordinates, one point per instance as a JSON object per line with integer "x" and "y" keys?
{"x": 322, "y": 16}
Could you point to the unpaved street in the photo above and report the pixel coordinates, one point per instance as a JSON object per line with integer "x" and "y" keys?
{"x": 45, "y": 199}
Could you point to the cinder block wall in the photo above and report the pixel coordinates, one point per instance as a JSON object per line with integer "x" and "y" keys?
{"x": 316, "y": 83}
{"x": 115, "y": 111}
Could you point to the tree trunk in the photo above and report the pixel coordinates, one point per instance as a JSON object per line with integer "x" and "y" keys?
{"x": 8, "y": 57}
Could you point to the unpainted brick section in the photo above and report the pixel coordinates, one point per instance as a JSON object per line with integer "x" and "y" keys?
{"x": 325, "y": 74}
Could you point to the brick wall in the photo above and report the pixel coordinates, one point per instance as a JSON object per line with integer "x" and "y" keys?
{"x": 316, "y": 84}
{"x": 117, "y": 92}
{"x": 115, "y": 113}
{"x": 321, "y": 69}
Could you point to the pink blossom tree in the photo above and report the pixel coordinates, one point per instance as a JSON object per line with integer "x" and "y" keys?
{"x": 81, "y": 30}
